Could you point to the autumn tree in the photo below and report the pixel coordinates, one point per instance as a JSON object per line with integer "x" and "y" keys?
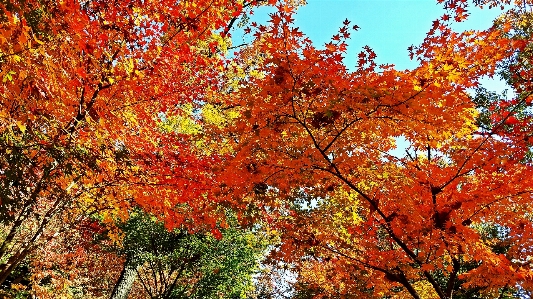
{"x": 86, "y": 87}
{"x": 317, "y": 157}
{"x": 77, "y": 263}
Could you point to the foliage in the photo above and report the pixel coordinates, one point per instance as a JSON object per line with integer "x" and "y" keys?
{"x": 182, "y": 265}
{"x": 85, "y": 263}
{"x": 109, "y": 108}
{"x": 83, "y": 84}
{"x": 317, "y": 155}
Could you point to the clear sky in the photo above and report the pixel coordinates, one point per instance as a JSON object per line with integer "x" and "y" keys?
{"x": 387, "y": 26}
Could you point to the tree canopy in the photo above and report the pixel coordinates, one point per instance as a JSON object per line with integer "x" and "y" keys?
{"x": 110, "y": 108}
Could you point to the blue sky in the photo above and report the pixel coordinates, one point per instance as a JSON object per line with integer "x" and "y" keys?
{"x": 387, "y": 26}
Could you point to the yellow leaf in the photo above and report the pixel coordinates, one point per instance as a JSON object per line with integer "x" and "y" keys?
{"x": 21, "y": 126}
{"x": 37, "y": 40}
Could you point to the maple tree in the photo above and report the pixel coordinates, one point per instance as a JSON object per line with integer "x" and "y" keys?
{"x": 77, "y": 263}
{"x": 86, "y": 89}
{"x": 449, "y": 216}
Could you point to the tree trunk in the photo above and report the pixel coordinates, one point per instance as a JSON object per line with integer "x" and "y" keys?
{"x": 125, "y": 281}
{"x": 12, "y": 263}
